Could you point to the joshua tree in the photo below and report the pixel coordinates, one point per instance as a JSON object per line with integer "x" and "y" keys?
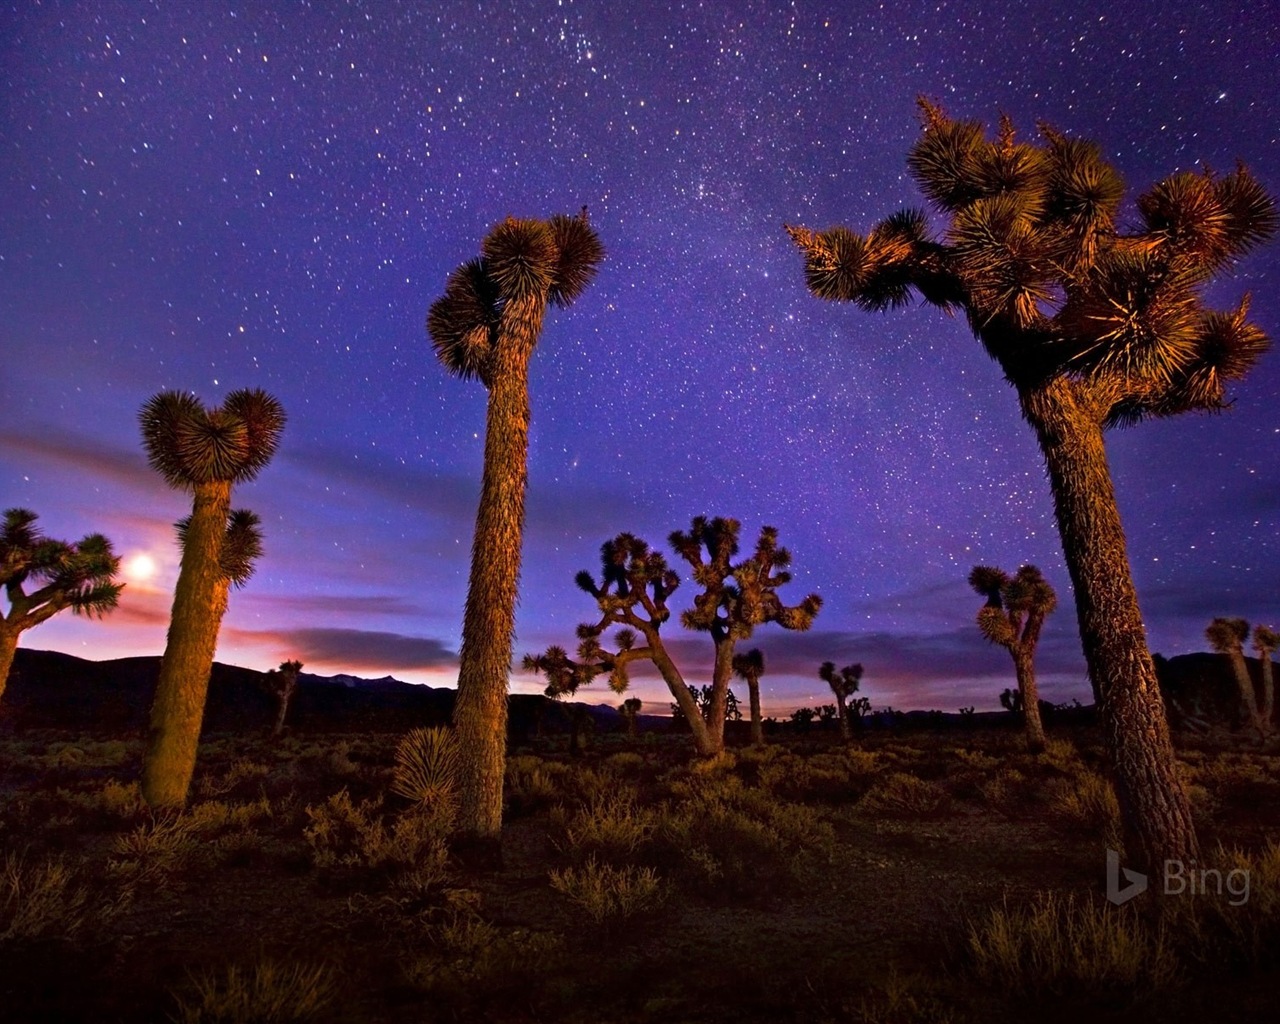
{"x": 729, "y": 612}
{"x": 204, "y": 451}
{"x": 78, "y": 576}
{"x": 749, "y": 667}
{"x": 1093, "y": 327}
{"x": 630, "y": 710}
{"x": 282, "y": 683}
{"x": 1012, "y": 617}
{"x": 1228, "y": 637}
{"x": 1265, "y": 641}
{"x": 634, "y": 586}
{"x": 486, "y": 325}
{"x": 844, "y": 684}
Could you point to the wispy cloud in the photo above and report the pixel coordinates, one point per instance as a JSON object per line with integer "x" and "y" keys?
{"x": 83, "y": 454}
{"x": 355, "y": 650}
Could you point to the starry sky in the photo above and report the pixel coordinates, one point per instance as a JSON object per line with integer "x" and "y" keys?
{"x": 207, "y": 196}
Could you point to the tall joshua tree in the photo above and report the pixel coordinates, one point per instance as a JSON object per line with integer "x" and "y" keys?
{"x": 282, "y": 683}
{"x": 1265, "y": 641}
{"x": 1228, "y": 637}
{"x": 1013, "y": 617}
{"x": 844, "y": 684}
{"x": 206, "y": 452}
{"x": 730, "y": 611}
{"x": 41, "y": 577}
{"x": 1093, "y": 326}
{"x": 749, "y": 667}
{"x": 486, "y": 325}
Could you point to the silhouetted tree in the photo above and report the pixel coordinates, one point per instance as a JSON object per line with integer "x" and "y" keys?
{"x": 486, "y": 326}
{"x": 730, "y": 611}
{"x": 204, "y": 451}
{"x": 282, "y": 683}
{"x": 630, "y": 710}
{"x": 844, "y": 684}
{"x": 749, "y": 667}
{"x": 1265, "y": 641}
{"x": 1011, "y": 701}
{"x": 1228, "y": 637}
{"x": 79, "y": 576}
{"x": 1013, "y": 617}
{"x": 1093, "y": 326}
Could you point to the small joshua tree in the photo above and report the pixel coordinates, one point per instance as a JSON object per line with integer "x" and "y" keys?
{"x": 41, "y": 577}
{"x": 1265, "y": 641}
{"x": 1012, "y": 617}
{"x": 282, "y": 683}
{"x": 486, "y": 326}
{"x": 1228, "y": 637}
{"x": 1094, "y": 326}
{"x": 749, "y": 667}
{"x": 629, "y": 709}
{"x": 206, "y": 452}
{"x": 844, "y": 684}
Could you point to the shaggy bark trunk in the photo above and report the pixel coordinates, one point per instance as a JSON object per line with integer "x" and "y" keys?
{"x": 281, "y": 711}
{"x": 1154, "y": 806}
{"x": 199, "y": 601}
{"x": 488, "y": 624}
{"x": 720, "y": 693}
{"x": 1248, "y": 697}
{"x": 1268, "y": 692}
{"x": 1024, "y": 668}
{"x": 846, "y": 733}
{"x": 757, "y": 721}
{"x": 8, "y": 647}
{"x": 683, "y": 698}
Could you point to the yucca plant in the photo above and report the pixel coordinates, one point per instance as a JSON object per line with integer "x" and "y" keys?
{"x": 844, "y": 684}
{"x": 1094, "y": 326}
{"x": 426, "y": 768}
{"x": 206, "y": 452}
{"x": 486, "y": 326}
{"x": 1013, "y": 617}
{"x": 41, "y": 577}
{"x": 749, "y": 667}
{"x": 1228, "y": 637}
{"x": 282, "y": 683}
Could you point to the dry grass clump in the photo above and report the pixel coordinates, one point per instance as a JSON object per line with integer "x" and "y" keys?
{"x": 268, "y": 992}
{"x": 533, "y": 784}
{"x": 1086, "y": 802}
{"x": 904, "y": 795}
{"x": 156, "y": 848}
{"x": 344, "y": 834}
{"x": 242, "y": 774}
{"x": 1069, "y": 947}
{"x": 609, "y": 894}
{"x": 613, "y": 827}
{"x": 40, "y": 900}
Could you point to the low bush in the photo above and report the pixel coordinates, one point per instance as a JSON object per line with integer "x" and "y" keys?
{"x": 269, "y": 992}
{"x": 609, "y": 894}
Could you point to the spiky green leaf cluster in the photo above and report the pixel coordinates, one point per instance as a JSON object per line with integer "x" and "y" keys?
{"x": 241, "y": 545}
{"x": 1227, "y": 635}
{"x": 79, "y": 576}
{"x": 189, "y": 444}
{"x": 1051, "y": 286}
{"x": 844, "y": 682}
{"x": 1016, "y": 605}
{"x": 522, "y": 259}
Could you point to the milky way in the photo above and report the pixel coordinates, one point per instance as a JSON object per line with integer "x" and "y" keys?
{"x": 204, "y": 197}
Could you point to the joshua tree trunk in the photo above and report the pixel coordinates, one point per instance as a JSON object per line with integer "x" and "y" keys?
{"x": 719, "y": 706}
{"x": 281, "y": 710}
{"x": 846, "y": 733}
{"x": 199, "y": 601}
{"x": 1156, "y": 813}
{"x": 1268, "y": 692}
{"x": 1248, "y": 697}
{"x": 8, "y": 647}
{"x": 757, "y": 721}
{"x": 702, "y": 742}
{"x": 488, "y": 626}
{"x": 1024, "y": 667}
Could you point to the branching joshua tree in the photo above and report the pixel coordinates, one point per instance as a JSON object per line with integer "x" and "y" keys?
{"x": 1013, "y": 617}
{"x": 629, "y": 709}
{"x": 282, "y": 683}
{"x": 204, "y": 451}
{"x": 1265, "y": 641}
{"x": 844, "y": 684}
{"x": 1093, "y": 326}
{"x": 635, "y": 585}
{"x": 749, "y": 667}
{"x": 730, "y": 611}
{"x": 41, "y": 577}
{"x": 1228, "y": 637}
{"x": 486, "y": 326}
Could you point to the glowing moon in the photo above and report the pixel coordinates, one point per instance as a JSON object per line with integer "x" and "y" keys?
{"x": 140, "y": 568}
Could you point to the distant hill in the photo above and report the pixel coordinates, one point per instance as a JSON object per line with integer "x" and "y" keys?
{"x": 51, "y": 690}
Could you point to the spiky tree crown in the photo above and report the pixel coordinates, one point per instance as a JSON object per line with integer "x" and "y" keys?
{"x": 1227, "y": 636}
{"x": 1265, "y": 640}
{"x": 749, "y": 664}
{"x": 1016, "y": 605}
{"x": 79, "y": 576}
{"x": 1049, "y": 283}
{"x": 843, "y": 682}
{"x": 188, "y": 444}
{"x": 241, "y": 547}
{"x": 552, "y": 260}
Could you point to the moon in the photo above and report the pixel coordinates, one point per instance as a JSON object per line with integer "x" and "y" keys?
{"x": 140, "y": 568}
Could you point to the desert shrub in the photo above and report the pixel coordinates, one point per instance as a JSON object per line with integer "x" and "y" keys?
{"x": 242, "y": 773}
{"x": 426, "y": 768}
{"x": 1009, "y": 791}
{"x": 612, "y": 828}
{"x": 113, "y": 802}
{"x": 822, "y": 778}
{"x": 533, "y": 783}
{"x": 465, "y": 959}
{"x": 608, "y": 894}
{"x": 269, "y": 992}
{"x": 40, "y": 900}
{"x": 1087, "y": 802}
{"x": 345, "y": 834}
{"x": 625, "y": 762}
{"x": 156, "y": 847}
{"x": 1063, "y": 946}
{"x": 902, "y": 1000}
{"x": 905, "y": 795}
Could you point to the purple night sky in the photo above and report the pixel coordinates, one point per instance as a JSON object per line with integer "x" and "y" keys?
{"x": 208, "y": 196}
